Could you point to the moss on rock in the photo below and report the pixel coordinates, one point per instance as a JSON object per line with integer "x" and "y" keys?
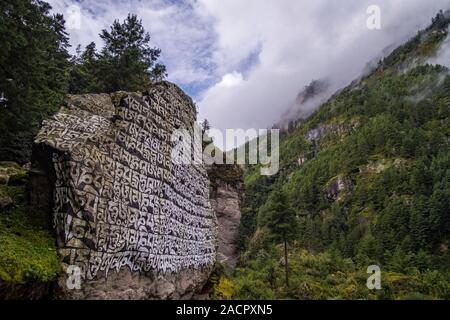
{"x": 28, "y": 246}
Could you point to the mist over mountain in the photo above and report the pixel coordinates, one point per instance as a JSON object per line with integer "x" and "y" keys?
{"x": 318, "y": 92}
{"x": 244, "y": 63}
{"x": 306, "y": 102}
{"x": 363, "y": 181}
{"x": 317, "y": 44}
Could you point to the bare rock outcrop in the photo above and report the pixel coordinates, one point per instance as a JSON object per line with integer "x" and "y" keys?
{"x": 339, "y": 188}
{"x": 226, "y": 201}
{"x": 131, "y": 223}
{"x": 226, "y": 195}
{"x": 339, "y": 129}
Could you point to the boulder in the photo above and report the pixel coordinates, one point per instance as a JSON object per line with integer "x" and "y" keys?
{"x": 131, "y": 222}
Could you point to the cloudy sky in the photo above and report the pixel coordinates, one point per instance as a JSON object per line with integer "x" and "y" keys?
{"x": 244, "y": 61}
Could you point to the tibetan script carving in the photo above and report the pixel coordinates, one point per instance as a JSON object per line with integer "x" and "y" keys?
{"x": 119, "y": 199}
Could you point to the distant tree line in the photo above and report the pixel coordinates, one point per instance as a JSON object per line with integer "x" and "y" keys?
{"x": 37, "y": 70}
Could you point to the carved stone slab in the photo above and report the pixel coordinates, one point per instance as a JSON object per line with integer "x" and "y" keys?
{"x": 119, "y": 201}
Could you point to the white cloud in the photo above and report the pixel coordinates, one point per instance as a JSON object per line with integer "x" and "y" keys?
{"x": 231, "y": 80}
{"x": 299, "y": 41}
{"x": 178, "y": 28}
{"x": 254, "y": 56}
{"x": 443, "y": 55}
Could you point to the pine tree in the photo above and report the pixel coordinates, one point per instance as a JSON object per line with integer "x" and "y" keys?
{"x": 439, "y": 220}
{"x": 205, "y": 126}
{"x": 84, "y": 73}
{"x": 33, "y": 72}
{"x": 419, "y": 224}
{"x": 159, "y": 72}
{"x": 281, "y": 221}
{"x": 127, "y": 62}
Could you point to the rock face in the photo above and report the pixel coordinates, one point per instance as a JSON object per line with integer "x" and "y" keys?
{"x": 338, "y": 188}
{"x": 130, "y": 221}
{"x": 337, "y": 129}
{"x": 301, "y": 160}
{"x": 226, "y": 201}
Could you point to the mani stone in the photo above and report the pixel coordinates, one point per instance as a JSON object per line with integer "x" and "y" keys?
{"x": 131, "y": 223}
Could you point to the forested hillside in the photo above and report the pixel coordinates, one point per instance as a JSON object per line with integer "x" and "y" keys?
{"x": 367, "y": 180}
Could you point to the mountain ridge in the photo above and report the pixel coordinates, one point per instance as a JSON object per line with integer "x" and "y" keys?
{"x": 367, "y": 175}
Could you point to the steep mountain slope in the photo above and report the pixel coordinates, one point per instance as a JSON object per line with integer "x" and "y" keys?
{"x": 368, "y": 175}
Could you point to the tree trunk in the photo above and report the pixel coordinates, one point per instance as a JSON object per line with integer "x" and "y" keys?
{"x": 286, "y": 264}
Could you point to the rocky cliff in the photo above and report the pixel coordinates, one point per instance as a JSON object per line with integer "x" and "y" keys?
{"x": 226, "y": 197}
{"x": 226, "y": 201}
{"x": 130, "y": 222}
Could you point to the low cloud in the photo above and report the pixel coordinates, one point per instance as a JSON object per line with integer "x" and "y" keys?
{"x": 244, "y": 62}
{"x": 231, "y": 80}
{"x": 443, "y": 55}
{"x": 300, "y": 41}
